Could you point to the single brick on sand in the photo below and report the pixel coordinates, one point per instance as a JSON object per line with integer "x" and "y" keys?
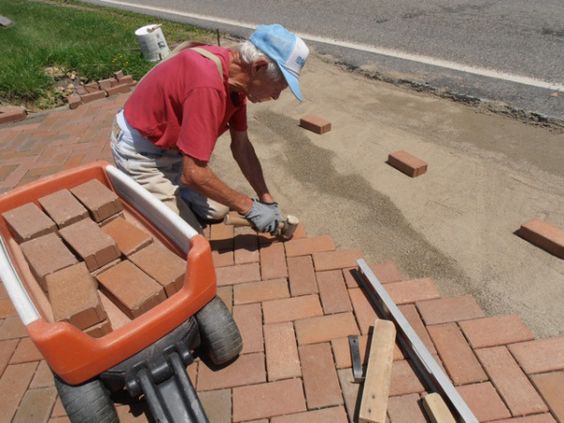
{"x": 407, "y": 163}
{"x": 543, "y": 235}
{"x": 27, "y": 222}
{"x": 100, "y": 201}
{"x": 315, "y": 124}
{"x": 63, "y": 208}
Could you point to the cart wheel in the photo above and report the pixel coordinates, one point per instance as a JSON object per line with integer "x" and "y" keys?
{"x": 87, "y": 403}
{"x": 221, "y": 339}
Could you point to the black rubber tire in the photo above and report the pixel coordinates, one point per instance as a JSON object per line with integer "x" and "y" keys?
{"x": 87, "y": 403}
{"x": 221, "y": 340}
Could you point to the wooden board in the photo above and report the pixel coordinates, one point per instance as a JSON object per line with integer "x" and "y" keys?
{"x": 436, "y": 409}
{"x": 374, "y": 402}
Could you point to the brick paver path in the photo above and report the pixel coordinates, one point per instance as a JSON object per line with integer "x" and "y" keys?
{"x": 295, "y": 303}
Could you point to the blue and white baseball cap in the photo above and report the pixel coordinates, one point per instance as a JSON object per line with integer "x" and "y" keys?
{"x": 286, "y": 49}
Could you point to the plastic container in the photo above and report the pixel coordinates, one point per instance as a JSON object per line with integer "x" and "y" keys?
{"x": 152, "y": 42}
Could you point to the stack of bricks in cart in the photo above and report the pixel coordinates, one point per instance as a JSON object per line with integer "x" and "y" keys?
{"x": 81, "y": 247}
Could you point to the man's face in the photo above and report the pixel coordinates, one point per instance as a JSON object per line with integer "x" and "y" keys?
{"x": 262, "y": 88}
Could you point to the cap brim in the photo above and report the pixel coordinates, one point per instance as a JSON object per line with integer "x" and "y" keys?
{"x": 293, "y": 83}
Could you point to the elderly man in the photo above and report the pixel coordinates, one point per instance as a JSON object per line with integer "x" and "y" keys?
{"x": 165, "y": 134}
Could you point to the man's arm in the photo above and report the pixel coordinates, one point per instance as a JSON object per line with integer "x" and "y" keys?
{"x": 245, "y": 156}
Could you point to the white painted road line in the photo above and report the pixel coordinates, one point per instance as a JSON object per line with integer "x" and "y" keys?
{"x": 489, "y": 73}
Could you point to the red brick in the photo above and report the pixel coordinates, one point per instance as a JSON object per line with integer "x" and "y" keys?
{"x": 350, "y": 391}
{"x": 162, "y": 265}
{"x": 127, "y": 79}
{"x": 484, "y": 401}
{"x": 223, "y": 258}
{"x": 363, "y": 310}
{"x": 537, "y": 418}
{"x": 407, "y": 163}
{"x": 456, "y": 355}
{"x": 221, "y": 237}
{"x": 26, "y": 351}
{"x": 541, "y": 355}
{"x": 104, "y": 84}
{"x": 12, "y": 327}
{"x": 74, "y": 101}
{"x": 95, "y": 95}
{"x": 99, "y": 329}
{"x": 326, "y": 415}
{"x": 7, "y": 348}
{"x": 404, "y": 380}
{"x": 301, "y": 276}
{"x": 246, "y": 245}
{"x": 412, "y": 290}
{"x": 342, "y": 351}
{"x": 36, "y": 405}
{"x": 333, "y": 292}
{"x": 128, "y": 237}
{"x": 217, "y": 405}
{"x": 74, "y": 297}
{"x": 291, "y": 309}
{"x": 510, "y": 381}
{"x": 226, "y": 294}
{"x": 6, "y": 308}
{"x": 410, "y": 313}
{"x": 246, "y": 370}
{"x": 494, "y": 331}
{"x": 315, "y": 124}
{"x": 27, "y": 222}
{"x": 249, "y": 321}
{"x": 91, "y": 243}
{"x": 282, "y": 358}
{"x": 551, "y": 387}
{"x": 544, "y": 235}
{"x": 63, "y": 208}
{"x": 13, "y": 384}
{"x": 118, "y": 75}
{"x": 117, "y": 89}
{"x": 12, "y": 114}
{"x": 305, "y": 246}
{"x": 43, "y": 376}
{"x": 332, "y": 260}
{"x": 406, "y": 408}
{"x": 325, "y": 328}
{"x": 451, "y": 309}
{"x": 319, "y": 375}
{"x": 254, "y": 292}
{"x": 100, "y": 201}
{"x": 239, "y": 273}
{"x": 276, "y": 398}
{"x": 91, "y": 87}
{"x": 46, "y": 255}
{"x": 273, "y": 262}
{"x": 130, "y": 289}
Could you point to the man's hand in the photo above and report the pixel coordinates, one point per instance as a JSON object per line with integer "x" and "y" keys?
{"x": 264, "y": 217}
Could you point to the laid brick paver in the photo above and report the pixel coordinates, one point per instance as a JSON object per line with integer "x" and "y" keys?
{"x": 551, "y": 387}
{"x": 12, "y": 327}
{"x": 7, "y": 348}
{"x": 301, "y": 276}
{"x": 333, "y": 260}
{"x": 273, "y": 262}
{"x": 254, "y": 292}
{"x": 406, "y": 408}
{"x": 325, "y": 328}
{"x": 223, "y": 258}
{"x": 246, "y": 370}
{"x": 364, "y": 312}
{"x": 537, "y": 418}
{"x": 246, "y": 245}
{"x": 43, "y": 376}
{"x": 6, "y": 308}
{"x": 25, "y": 352}
{"x": 217, "y": 405}
{"x": 320, "y": 377}
{"x": 326, "y": 415}
{"x": 541, "y": 355}
{"x": 305, "y": 246}
{"x": 240, "y": 273}
{"x": 13, "y": 385}
{"x": 404, "y": 380}
{"x": 282, "y": 359}
{"x": 350, "y": 391}
{"x": 291, "y": 309}
{"x": 411, "y": 314}
{"x": 484, "y": 401}
{"x": 249, "y": 321}
{"x": 226, "y": 295}
{"x": 450, "y": 309}
{"x": 333, "y": 292}
{"x": 496, "y": 330}
{"x": 36, "y": 405}
{"x": 412, "y": 291}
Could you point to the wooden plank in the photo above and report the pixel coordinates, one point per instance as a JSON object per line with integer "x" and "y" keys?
{"x": 436, "y": 409}
{"x": 374, "y": 402}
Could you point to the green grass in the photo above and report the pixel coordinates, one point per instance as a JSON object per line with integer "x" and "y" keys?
{"x": 90, "y": 40}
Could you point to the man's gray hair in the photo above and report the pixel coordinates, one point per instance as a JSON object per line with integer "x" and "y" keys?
{"x": 249, "y": 53}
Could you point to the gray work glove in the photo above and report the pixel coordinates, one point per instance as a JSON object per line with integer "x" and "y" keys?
{"x": 264, "y": 216}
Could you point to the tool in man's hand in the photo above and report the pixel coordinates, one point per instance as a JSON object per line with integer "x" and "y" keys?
{"x": 285, "y": 230}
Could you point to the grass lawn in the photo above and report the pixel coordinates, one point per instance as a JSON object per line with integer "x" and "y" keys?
{"x": 92, "y": 41}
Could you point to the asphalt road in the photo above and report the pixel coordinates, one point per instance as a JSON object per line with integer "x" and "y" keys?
{"x": 444, "y": 46}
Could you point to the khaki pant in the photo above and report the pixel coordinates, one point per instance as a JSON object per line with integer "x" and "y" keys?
{"x": 158, "y": 171}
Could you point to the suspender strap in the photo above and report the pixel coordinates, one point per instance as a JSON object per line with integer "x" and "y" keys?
{"x": 212, "y": 57}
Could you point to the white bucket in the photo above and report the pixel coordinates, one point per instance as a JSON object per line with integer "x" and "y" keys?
{"x": 152, "y": 42}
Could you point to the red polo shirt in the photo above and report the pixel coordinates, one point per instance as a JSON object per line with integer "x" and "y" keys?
{"x": 183, "y": 103}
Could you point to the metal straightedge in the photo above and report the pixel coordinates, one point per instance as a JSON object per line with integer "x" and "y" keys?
{"x": 433, "y": 374}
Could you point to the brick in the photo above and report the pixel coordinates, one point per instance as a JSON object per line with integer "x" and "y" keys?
{"x": 326, "y": 415}
{"x": 350, "y": 392}
{"x": 301, "y": 276}
{"x": 537, "y": 418}
{"x": 99, "y": 329}
{"x": 333, "y": 292}
{"x": 386, "y": 272}
{"x": 100, "y": 201}
{"x": 240, "y": 273}
{"x": 363, "y": 310}
{"x": 510, "y": 381}
{"x": 36, "y": 405}
{"x": 406, "y": 408}
{"x": 26, "y": 351}
{"x": 91, "y": 87}
{"x": 46, "y": 255}
{"x": 221, "y": 237}
{"x": 325, "y": 328}
{"x": 7, "y": 348}
{"x": 543, "y": 235}
{"x": 13, "y": 384}
{"x": 63, "y": 208}
{"x": 306, "y": 246}
{"x": 320, "y": 377}
{"x": 413, "y": 290}
{"x": 273, "y": 262}
{"x": 249, "y": 321}
{"x": 254, "y": 292}
{"x": 217, "y": 405}
{"x": 494, "y": 331}
{"x": 104, "y": 84}
{"x": 342, "y": 351}
{"x": 92, "y": 244}
{"x": 117, "y": 89}
{"x": 128, "y": 237}
{"x": 11, "y": 328}
{"x": 285, "y": 310}
{"x": 282, "y": 358}
{"x": 315, "y": 124}
{"x": 12, "y": 114}
{"x": 276, "y": 398}
{"x": 404, "y": 380}
{"x": 551, "y": 385}
{"x": 223, "y": 258}
{"x": 118, "y": 75}
{"x": 456, "y": 355}
{"x": 74, "y": 297}
{"x": 6, "y": 308}
{"x": 162, "y": 265}
{"x": 451, "y": 309}
{"x": 407, "y": 163}
{"x": 484, "y": 401}
{"x": 130, "y": 289}
{"x": 127, "y": 79}
{"x": 541, "y": 355}
{"x": 246, "y": 245}
{"x": 410, "y": 313}
{"x": 43, "y": 376}
{"x": 74, "y": 101}
{"x": 27, "y": 222}
{"x": 332, "y": 260}
{"x": 95, "y": 95}
{"x": 246, "y": 370}
{"x": 226, "y": 294}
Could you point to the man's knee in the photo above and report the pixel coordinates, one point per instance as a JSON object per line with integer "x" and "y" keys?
{"x": 217, "y": 211}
